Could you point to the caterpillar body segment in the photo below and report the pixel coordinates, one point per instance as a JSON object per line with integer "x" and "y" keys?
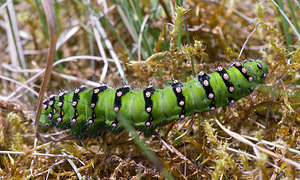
{"x": 88, "y": 111}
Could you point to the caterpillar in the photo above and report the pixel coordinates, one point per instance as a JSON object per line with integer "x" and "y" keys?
{"x": 89, "y": 110}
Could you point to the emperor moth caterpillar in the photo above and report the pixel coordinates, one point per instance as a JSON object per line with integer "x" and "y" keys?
{"x": 87, "y": 111}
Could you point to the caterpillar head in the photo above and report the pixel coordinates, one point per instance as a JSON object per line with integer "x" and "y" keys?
{"x": 257, "y": 69}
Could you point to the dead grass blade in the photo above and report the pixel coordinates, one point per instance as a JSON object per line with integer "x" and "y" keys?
{"x": 52, "y": 26}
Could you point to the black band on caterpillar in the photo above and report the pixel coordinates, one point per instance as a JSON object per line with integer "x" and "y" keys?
{"x": 177, "y": 89}
{"x": 204, "y": 79}
{"x": 225, "y": 76}
{"x": 51, "y": 104}
{"x": 76, "y": 95}
{"x": 60, "y": 105}
{"x": 243, "y": 71}
{"x": 115, "y": 123}
{"x": 75, "y": 101}
{"x": 89, "y": 110}
{"x": 119, "y": 93}
{"x": 95, "y": 98}
{"x": 148, "y": 92}
{"x": 45, "y": 104}
{"x": 94, "y": 101}
{"x": 226, "y": 79}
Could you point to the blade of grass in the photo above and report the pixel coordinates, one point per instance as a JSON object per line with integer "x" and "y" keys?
{"x": 130, "y": 15}
{"x": 135, "y": 24}
{"x": 66, "y": 35}
{"x": 51, "y": 18}
{"x": 112, "y": 30}
{"x": 93, "y": 20}
{"x": 57, "y": 12}
{"x": 15, "y": 35}
{"x": 287, "y": 19}
{"x": 110, "y": 49}
{"x": 154, "y": 12}
{"x": 129, "y": 25}
{"x": 85, "y": 9}
{"x": 179, "y": 29}
{"x": 179, "y": 36}
{"x": 293, "y": 15}
{"x": 164, "y": 5}
{"x": 272, "y": 144}
{"x": 286, "y": 28}
{"x": 57, "y": 56}
{"x": 127, "y": 14}
{"x": 145, "y": 40}
{"x": 91, "y": 46}
{"x": 141, "y": 36}
{"x": 189, "y": 42}
{"x": 151, "y": 39}
{"x": 142, "y": 145}
{"x": 74, "y": 167}
{"x": 137, "y": 13}
{"x": 108, "y": 25}
{"x": 37, "y": 3}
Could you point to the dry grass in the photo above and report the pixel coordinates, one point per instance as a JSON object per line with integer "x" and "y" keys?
{"x": 134, "y": 41}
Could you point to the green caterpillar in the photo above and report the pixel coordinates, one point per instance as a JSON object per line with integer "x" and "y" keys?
{"x": 87, "y": 111}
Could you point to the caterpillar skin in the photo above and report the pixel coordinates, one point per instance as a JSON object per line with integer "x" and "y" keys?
{"x": 88, "y": 111}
